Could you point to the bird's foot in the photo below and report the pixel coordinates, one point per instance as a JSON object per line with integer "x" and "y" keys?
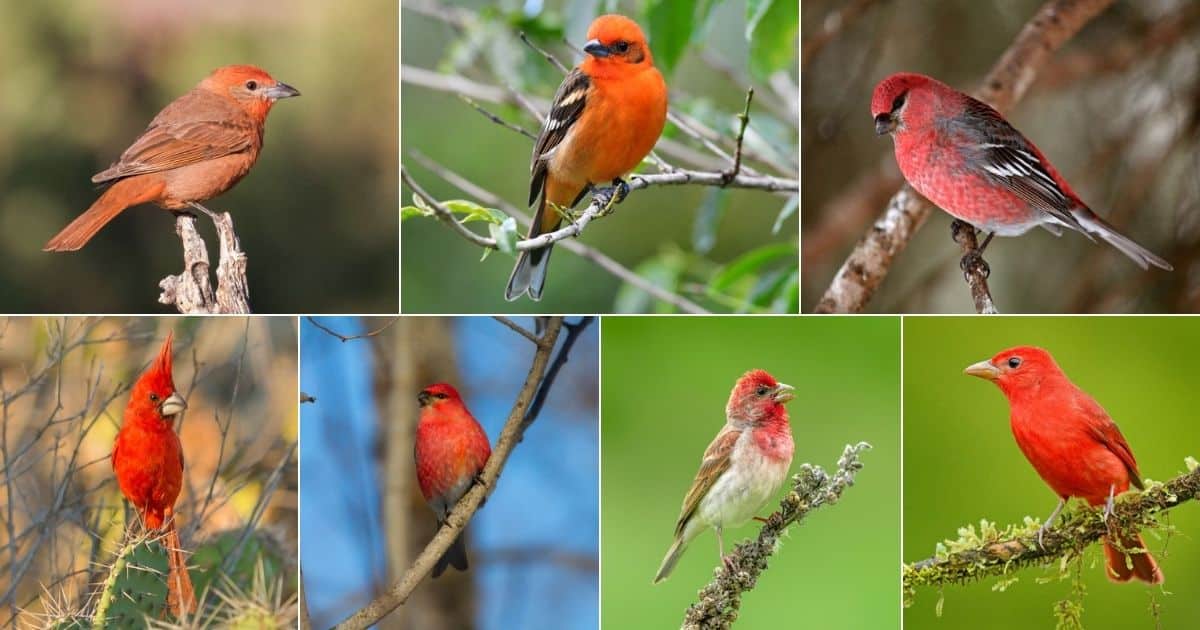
{"x": 212, "y": 215}
{"x": 728, "y": 562}
{"x": 610, "y": 196}
{"x": 973, "y": 263}
{"x": 1109, "y": 506}
{"x": 1042, "y": 533}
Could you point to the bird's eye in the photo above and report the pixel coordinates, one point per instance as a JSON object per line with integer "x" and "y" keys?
{"x": 252, "y": 85}
{"x": 1014, "y": 362}
{"x": 153, "y": 397}
{"x": 899, "y": 102}
{"x": 440, "y": 396}
{"x": 621, "y": 46}
{"x": 762, "y": 390}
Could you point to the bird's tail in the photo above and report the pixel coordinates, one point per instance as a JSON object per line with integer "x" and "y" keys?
{"x": 121, "y": 195}
{"x": 181, "y": 596}
{"x": 529, "y": 274}
{"x": 668, "y": 563}
{"x": 1098, "y": 226}
{"x": 455, "y": 556}
{"x": 1123, "y": 566}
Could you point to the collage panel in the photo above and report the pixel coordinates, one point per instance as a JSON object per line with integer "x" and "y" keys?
{"x": 1083, "y": 408}
{"x": 148, "y": 472}
{"x": 405, "y": 418}
{"x": 656, "y": 142}
{"x": 712, "y": 423}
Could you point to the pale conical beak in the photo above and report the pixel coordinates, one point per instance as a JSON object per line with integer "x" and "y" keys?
{"x": 984, "y": 370}
{"x": 784, "y": 393}
{"x": 173, "y": 405}
{"x": 281, "y": 90}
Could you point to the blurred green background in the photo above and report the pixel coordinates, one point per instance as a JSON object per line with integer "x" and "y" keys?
{"x": 681, "y": 237}
{"x": 665, "y": 382}
{"x": 80, "y": 80}
{"x": 961, "y": 463}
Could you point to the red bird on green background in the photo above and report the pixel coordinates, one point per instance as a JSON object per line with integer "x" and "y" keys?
{"x": 1073, "y": 444}
{"x": 451, "y": 451}
{"x": 148, "y": 461}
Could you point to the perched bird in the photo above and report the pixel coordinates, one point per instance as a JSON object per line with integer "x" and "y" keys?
{"x": 742, "y": 469}
{"x": 196, "y": 148}
{"x": 1072, "y": 443}
{"x": 965, "y": 158}
{"x": 450, "y": 453}
{"x": 606, "y": 117}
{"x": 148, "y": 461}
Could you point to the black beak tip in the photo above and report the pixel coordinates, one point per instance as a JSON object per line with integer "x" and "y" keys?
{"x": 596, "y": 49}
{"x": 423, "y": 399}
{"x": 883, "y": 124}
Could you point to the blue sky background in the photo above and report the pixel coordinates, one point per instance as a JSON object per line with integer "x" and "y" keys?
{"x": 547, "y": 498}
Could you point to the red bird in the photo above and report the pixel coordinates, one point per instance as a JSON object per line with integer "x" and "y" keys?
{"x": 606, "y": 116}
{"x": 148, "y": 461}
{"x": 196, "y": 148}
{"x": 742, "y": 469}
{"x": 1072, "y": 443}
{"x": 450, "y": 452}
{"x": 965, "y": 158}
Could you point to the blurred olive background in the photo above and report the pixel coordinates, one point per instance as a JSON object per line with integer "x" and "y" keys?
{"x": 1117, "y": 110}
{"x": 316, "y": 216}
{"x": 961, "y": 463}
{"x": 680, "y": 237}
{"x": 665, "y": 382}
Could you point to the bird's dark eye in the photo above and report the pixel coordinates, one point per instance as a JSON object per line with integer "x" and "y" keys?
{"x": 153, "y": 397}
{"x": 252, "y": 85}
{"x": 1014, "y": 362}
{"x": 621, "y": 46}
{"x": 762, "y": 390}
{"x": 899, "y": 102}
{"x": 440, "y": 396}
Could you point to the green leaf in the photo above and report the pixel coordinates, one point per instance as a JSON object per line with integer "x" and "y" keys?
{"x": 471, "y": 211}
{"x": 408, "y": 212}
{"x": 671, "y": 23}
{"x": 750, "y": 263}
{"x": 506, "y": 235}
{"x": 664, "y": 271}
{"x": 771, "y": 29}
{"x": 789, "y": 208}
{"x": 712, "y": 208}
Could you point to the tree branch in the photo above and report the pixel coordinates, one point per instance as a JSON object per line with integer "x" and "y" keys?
{"x": 464, "y": 510}
{"x": 868, "y": 264}
{"x": 975, "y": 269}
{"x": 191, "y": 291}
{"x": 996, "y": 553}
{"x": 812, "y": 488}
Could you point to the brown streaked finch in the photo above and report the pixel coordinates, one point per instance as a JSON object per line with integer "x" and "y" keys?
{"x": 742, "y": 469}
{"x": 451, "y": 450}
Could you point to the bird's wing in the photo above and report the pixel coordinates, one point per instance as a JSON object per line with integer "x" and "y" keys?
{"x": 1104, "y": 430}
{"x": 716, "y": 461}
{"x": 193, "y": 129}
{"x": 999, "y": 153}
{"x": 565, "y": 111}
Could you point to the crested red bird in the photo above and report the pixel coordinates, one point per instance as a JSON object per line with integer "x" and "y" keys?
{"x": 606, "y": 116}
{"x": 147, "y": 458}
{"x": 963, "y": 156}
{"x": 450, "y": 452}
{"x": 1072, "y": 443}
{"x": 743, "y": 467}
{"x": 196, "y": 148}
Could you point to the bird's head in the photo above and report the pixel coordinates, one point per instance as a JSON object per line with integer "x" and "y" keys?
{"x": 616, "y": 39}
{"x": 437, "y": 394}
{"x": 1019, "y": 369}
{"x": 154, "y": 395}
{"x": 896, "y": 97}
{"x": 757, "y": 398}
{"x": 249, "y": 86}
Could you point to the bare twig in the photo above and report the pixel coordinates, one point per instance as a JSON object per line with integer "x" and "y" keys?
{"x": 744, "y": 119}
{"x": 517, "y": 328}
{"x": 867, "y": 266}
{"x": 344, "y": 338}
{"x": 191, "y": 292}
{"x": 551, "y": 58}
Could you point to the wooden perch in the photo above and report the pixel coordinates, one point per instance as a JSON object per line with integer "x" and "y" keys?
{"x": 191, "y": 291}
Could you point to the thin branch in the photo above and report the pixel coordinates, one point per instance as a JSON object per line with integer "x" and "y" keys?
{"x": 517, "y": 328}
{"x": 496, "y": 119}
{"x": 744, "y": 118}
{"x": 551, "y": 58}
{"x": 466, "y": 507}
{"x": 868, "y": 264}
{"x": 998, "y": 553}
{"x": 834, "y": 24}
{"x": 344, "y": 338}
{"x": 812, "y": 488}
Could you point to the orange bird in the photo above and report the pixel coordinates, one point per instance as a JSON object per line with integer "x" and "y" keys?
{"x": 196, "y": 148}
{"x": 606, "y": 117}
{"x": 1072, "y": 443}
{"x": 148, "y": 461}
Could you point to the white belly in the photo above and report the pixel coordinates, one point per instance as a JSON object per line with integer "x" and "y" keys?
{"x": 749, "y": 483}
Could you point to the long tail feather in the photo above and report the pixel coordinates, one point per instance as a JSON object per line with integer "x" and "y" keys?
{"x": 1138, "y": 254}
{"x": 1122, "y": 567}
{"x": 181, "y": 595}
{"x": 123, "y": 194}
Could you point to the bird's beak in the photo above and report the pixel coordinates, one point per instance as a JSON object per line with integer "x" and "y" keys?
{"x": 281, "y": 90}
{"x": 884, "y": 124}
{"x": 783, "y": 393}
{"x": 984, "y": 370}
{"x": 596, "y": 49}
{"x": 174, "y": 404}
{"x": 424, "y": 398}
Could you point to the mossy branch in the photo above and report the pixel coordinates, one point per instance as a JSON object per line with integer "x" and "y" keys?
{"x": 995, "y": 552}
{"x": 812, "y": 487}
